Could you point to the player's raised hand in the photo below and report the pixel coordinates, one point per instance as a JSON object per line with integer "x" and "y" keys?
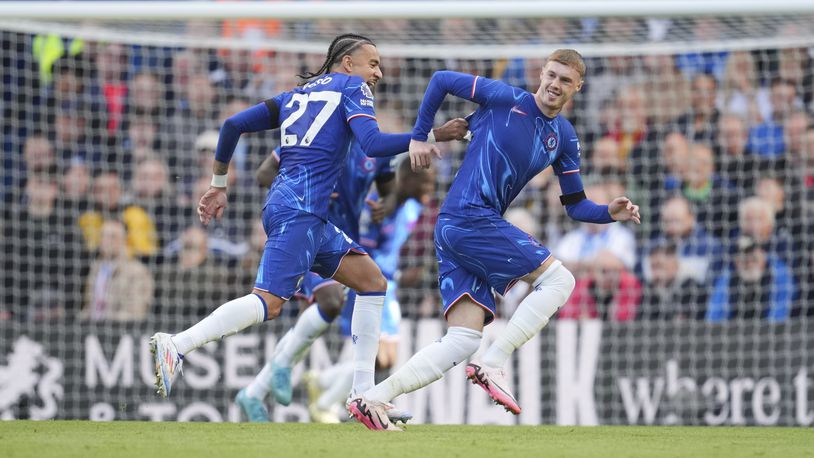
{"x": 212, "y": 204}
{"x": 454, "y": 129}
{"x": 622, "y": 209}
{"x": 421, "y": 154}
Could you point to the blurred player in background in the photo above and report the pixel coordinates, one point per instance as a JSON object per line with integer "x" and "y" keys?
{"x": 347, "y": 203}
{"x": 317, "y": 122}
{"x": 329, "y": 389}
{"x": 516, "y": 135}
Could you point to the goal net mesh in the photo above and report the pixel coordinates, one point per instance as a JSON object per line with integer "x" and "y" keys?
{"x": 697, "y": 316}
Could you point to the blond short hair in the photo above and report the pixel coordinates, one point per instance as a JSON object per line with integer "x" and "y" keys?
{"x": 569, "y": 57}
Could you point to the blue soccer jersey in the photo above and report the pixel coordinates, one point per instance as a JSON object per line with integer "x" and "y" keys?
{"x": 315, "y": 139}
{"x": 512, "y": 142}
{"x": 316, "y": 125}
{"x": 384, "y": 241}
{"x": 348, "y": 198}
{"x": 353, "y": 186}
{"x": 478, "y": 251}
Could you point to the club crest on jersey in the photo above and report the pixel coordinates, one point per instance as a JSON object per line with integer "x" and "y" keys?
{"x": 551, "y": 142}
{"x": 366, "y": 91}
{"x": 368, "y": 164}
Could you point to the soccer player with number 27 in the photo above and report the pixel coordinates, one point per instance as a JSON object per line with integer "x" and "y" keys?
{"x": 516, "y": 135}
{"x": 317, "y": 123}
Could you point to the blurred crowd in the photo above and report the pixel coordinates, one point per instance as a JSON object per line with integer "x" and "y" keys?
{"x": 107, "y": 147}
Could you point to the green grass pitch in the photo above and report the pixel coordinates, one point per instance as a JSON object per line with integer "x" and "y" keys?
{"x": 176, "y": 440}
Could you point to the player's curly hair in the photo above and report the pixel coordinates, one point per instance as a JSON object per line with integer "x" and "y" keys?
{"x": 341, "y": 46}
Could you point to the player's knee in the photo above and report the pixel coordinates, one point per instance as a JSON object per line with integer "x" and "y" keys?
{"x": 330, "y": 300}
{"x": 274, "y": 304}
{"x": 374, "y": 284}
{"x": 567, "y": 279}
{"x": 558, "y": 279}
{"x": 273, "y": 310}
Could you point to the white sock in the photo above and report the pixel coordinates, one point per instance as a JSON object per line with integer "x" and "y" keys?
{"x": 365, "y": 327}
{"x": 310, "y": 325}
{"x": 228, "y": 319}
{"x": 260, "y": 386}
{"x": 429, "y": 364}
{"x": 329, "y": 375}
{"x": 337, "y": 392}
{"x": 551, "y": 290}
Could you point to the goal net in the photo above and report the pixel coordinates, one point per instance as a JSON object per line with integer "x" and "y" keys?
{"x": 700, "y": 113}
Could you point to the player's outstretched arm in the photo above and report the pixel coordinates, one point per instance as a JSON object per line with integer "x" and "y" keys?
{"x": 580, "y": 208}
{"x": 375, "y": 143}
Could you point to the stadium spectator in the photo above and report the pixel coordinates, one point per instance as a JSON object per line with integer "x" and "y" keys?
{"x": 794, "y": 132}
{"x": 69, "y": 88}
{"x": 38, "y": 155}
{"x": 712, "y": 197}
{"x": 700, "y": 255}
{"x": 601, "y": 89}
{"x": 800, "y": 180}
{"x": 756, "y": 220}
{"x": 118, "y": 288}
{"x": 734, "y": 162}
{"x": 43, "y": 256}
{"x": 658, "y": 165}
{"x": 141, "y": 141}
{"x": 151, "y": 190}
{"x": 708, "y": 30}
{"x": 580, "y": 247}
{"x": 667, "y": 92}
{"x": 73, "y": 135}
{"x": 740, "y": 94}
{"x": 111, "y": 73}
{"x": 609, "y": 291}
{"x": 760, "y": 286}
{"x": 249, "y": 74}
{"x": 108, "y": 204}
{"x": 146, "y": 95}
{"x": 630, "y": 127}
{"x": 700, "y": 123}
{"x": 76, "y": 186}
{"x": 196, "y": 113}
{"x": 185, "y": 64}
{"x": 771, "y": 190}
{"x": 606, "y": 159}
{"x": 767, "y": 138}
{"x": 180, "y": 292}
{"x": 805, "y": 306}
{"x": 667, "y": 294}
